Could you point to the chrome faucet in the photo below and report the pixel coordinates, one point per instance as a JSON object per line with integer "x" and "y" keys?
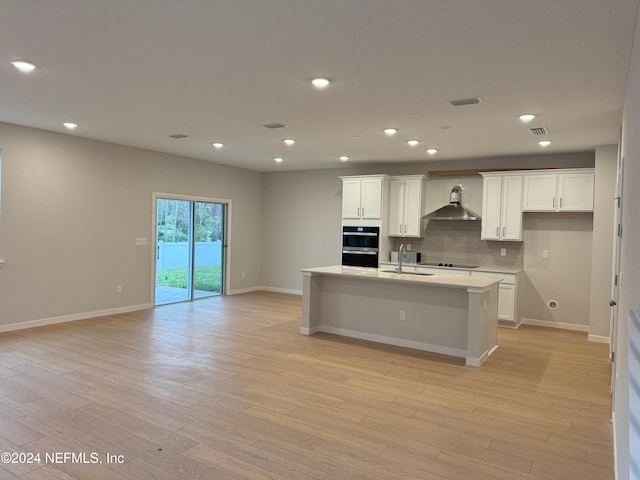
{"x": 400, "y": 253}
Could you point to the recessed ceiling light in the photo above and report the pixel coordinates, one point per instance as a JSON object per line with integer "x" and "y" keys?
{"x": 432, "y": 151}
{"x": 23, "y": 66}
{"x": 70, "y": 125}
{"x": 320, "y": 82}
{"x": 278, "y": 159}
{"x": 344, "y": 158}
{"x": 544, "y": 143}
{"x": 527, "y": 117}
{"x": 390, "y": 131}
{"x": 413, "y": 143}
{"x": 218, "y": 145}
{"x": 289, "y": 141}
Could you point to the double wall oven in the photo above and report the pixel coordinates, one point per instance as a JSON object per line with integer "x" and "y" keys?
{"x": 360, "y": 246}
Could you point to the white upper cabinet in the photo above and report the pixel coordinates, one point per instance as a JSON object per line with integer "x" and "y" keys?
{"x": 405, "y": 206}
{"x": 501, "y": 207}
{"x": 559, "y": 191}
{"x": 362, "y": 197}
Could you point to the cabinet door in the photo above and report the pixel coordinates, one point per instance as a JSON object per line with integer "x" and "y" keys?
{"x": 412, "y": 207}
{"x": 575, "y": 192}
{"x": 511, "y": 211}
{"x": 491, "y": 192}
{"x": 506, "y": 302}
{"x": 351, "y": 199}
{"x": 396, "y": 202}
{"x": 539, "y": 193}
{"x": 371, "y": 205}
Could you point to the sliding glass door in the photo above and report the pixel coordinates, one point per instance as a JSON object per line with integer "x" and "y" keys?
{"x": 189, "y": 250}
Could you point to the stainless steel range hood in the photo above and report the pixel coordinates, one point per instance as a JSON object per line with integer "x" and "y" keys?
{"x": 454, "y": 210}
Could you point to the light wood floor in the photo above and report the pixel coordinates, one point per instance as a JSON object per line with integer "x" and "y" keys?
{"x": 227, "y": 388}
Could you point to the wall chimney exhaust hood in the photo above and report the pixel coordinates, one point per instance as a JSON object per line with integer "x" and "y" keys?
{"x": 454, "y": 210}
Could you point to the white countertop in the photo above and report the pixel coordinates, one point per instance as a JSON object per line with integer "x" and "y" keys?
{"x": 481, "y": 268}
{"x": 440, "y": 280}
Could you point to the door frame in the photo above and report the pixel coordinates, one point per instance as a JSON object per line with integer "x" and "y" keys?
{"x": 616, "y": 276}
{"x": 226, "y": 241}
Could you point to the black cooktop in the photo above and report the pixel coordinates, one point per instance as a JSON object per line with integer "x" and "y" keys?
{"x": 447, "y": 264}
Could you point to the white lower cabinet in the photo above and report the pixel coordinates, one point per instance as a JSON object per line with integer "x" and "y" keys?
{"x": 508, "y": 302}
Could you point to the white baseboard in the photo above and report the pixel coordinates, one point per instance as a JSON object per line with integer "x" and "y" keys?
{"x": 398, "y": 342}
{"x": 282, "y": 290}
{"x": 598, "y": 339}
{"x": 563, "y": 326}
{"x": 238, "y": 291}
{"x": 71, "y": 318}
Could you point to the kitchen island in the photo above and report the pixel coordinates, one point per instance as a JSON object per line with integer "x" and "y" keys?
{"x": 447, "y": 314}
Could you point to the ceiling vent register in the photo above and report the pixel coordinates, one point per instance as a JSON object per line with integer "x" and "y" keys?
{"x": 465, "y": 101}
{"x": 537, "y": 131}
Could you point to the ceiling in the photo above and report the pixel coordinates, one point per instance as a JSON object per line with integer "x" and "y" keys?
{"x": 134, "y": 72}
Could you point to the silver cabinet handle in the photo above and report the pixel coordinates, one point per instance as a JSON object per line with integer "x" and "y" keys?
{"x": 405, "y": 229}
{"x": 400, "y": 228}
{"x": 561, "y": 202}
{"x": 504, "y": 231}
{"x": 554, "y": 202}
{"x": 497, "y": 231}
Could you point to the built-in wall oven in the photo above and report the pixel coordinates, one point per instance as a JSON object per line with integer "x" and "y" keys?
{"x": 360, "y": 246}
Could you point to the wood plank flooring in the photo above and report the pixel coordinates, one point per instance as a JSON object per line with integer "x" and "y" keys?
{"x": 227, "y": 388}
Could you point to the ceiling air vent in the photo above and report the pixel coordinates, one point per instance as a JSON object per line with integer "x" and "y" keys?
{"x": 537, "y": 131}
{"x": 274, "y": 125}
{"x": 465, "y": 101}
{"x": 178, "y": 135}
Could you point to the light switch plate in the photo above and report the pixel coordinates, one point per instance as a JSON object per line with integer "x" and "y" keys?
{"x": 503, "y": 252}
{"x": 545, "y": 253}
{"x": 141, "y": 242}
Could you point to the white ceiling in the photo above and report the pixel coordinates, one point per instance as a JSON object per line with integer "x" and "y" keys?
{"x": 135, "y": 71}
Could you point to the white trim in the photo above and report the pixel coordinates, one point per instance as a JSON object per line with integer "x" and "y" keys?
{"x": 239, "y": 291}
{"x": 615, "y": 446}
{"x": 477, "y": 362}
{"x": 563, "y": 326}
{"x": 427, "y": 347}
{"x": 72, "y": 318}
{"x": 282, "y": 290}
{"x": 309, "y": 331}
{"x": 598, "y": 339}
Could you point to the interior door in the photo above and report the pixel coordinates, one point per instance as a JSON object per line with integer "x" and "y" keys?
{"x": 617, "y": 278}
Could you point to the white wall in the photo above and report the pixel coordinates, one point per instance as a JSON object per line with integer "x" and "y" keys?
{"x": 72, "y": 209}
{"x": 628, "y": 463}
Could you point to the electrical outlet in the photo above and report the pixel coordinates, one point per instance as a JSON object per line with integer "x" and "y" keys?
{"x": 408, "y": 247}
{"x": 545, "y": 253}
{"x": 118, "y": 288}
{"x": 503, "y": 252}
{"x": 403, "y": 315}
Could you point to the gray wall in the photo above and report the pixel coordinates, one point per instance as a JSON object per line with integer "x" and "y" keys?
{"x": 72, "y": 209}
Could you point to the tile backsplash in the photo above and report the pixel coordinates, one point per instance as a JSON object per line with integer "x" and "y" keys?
{"x": 459, "y": 242}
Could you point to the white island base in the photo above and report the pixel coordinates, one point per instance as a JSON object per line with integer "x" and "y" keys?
{"x": 446, "y": 314}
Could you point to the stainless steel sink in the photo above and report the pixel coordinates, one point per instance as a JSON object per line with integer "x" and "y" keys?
{"x": 409, "y": 273}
